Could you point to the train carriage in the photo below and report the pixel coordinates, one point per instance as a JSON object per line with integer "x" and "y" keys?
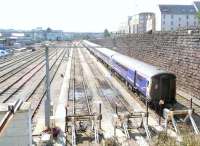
{"x": 105, "y": 55}
{"x": 150, "y": 81}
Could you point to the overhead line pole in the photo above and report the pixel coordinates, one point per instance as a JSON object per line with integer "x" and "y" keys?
{"x": 48, "y": 98}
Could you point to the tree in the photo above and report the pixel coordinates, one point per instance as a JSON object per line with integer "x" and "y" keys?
{"x": 106, "y": 33}
{"x": 198, "y": 16}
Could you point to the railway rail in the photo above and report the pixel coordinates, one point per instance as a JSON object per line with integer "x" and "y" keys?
{"x": 79, "y": 96}
{"x": 15, "y": 83}
{"x": 106, "y": 89}
{"x": 14, "y": 78}
{"x": 17, "y": 59}
{"x": 35, "y": 100}
{"x": 118, "y": 104}
{"x": 40, "y": 88}
{"x": 78, "y": 86}
{"x": 14, "y": 57}
{"x": 13, "y": 88}
{"x": 12, "y": 70}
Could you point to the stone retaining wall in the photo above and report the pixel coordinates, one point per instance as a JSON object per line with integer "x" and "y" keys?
{"x": 177, "y": 52}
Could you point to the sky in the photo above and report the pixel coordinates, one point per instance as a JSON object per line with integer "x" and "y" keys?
{"x": 74, "y": 15}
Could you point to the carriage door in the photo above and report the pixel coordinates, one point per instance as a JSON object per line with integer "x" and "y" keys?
{"x": 131, "y": 77}
{"x": 165, "y": 88}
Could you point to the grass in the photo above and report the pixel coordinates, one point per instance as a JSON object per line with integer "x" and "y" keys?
{"x": 111, "y": 142}
{"x": 163, "y": 140}
{"x": 187, "y": 140}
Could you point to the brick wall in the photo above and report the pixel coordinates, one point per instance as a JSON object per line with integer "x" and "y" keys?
{"x": 177, "y": 52}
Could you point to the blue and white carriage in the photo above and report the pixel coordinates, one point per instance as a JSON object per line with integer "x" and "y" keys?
{"x": 150, "y": 81}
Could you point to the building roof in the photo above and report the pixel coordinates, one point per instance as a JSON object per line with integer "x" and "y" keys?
{"x": 146, "y": 13}
{"x": 197, "y": 5}
{"x": 177, "y": 9}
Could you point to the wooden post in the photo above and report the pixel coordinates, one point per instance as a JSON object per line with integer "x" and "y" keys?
{"x": 100, "y": 116}
{"x": 66, "y": 120}
{"x": 116, "y": 110}
{"x": 147, "y": 111}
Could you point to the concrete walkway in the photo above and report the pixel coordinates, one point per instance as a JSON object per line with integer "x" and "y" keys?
{"x": 62, "y": 102}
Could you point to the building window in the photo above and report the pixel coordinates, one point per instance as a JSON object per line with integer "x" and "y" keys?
{"x": 172, "y": 16}
{"x": 172, "y": 28}
{"x": 172, "y": 23}
{"x": 163, "y": 22}
{"x": 187, "y": 17}
{"x": 195, "y": 23}
{"x": 164, "y": 16}
{"x": 187, "y": 23}
{"x": 179, "y": 19}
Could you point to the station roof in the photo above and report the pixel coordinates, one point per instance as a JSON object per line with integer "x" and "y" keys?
{"x": 177, "y": 9}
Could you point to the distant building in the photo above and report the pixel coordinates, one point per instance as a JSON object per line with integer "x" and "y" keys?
{"x": 197, "y": 5}
{"x": 151, "y": 23}
{"x": 54, "y": 35}
{"x": 134, "y": 24}
{"x": 124, "y": 27}
{"x": 49, "y": 34}
{"x": 175, "y": 17}
{"x": 142, "y": 22}
{"x": 38, "y": 35}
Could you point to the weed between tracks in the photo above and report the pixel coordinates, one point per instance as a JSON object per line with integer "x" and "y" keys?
{"x": 112, "y": 142}
{"x": 165, "y": 140}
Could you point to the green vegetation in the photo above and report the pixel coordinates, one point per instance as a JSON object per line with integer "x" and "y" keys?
{"x": 111, "y": 142}
{"x": 187, "y": 140}
{"x": 198, "y": 16}
{"x": 106, "y": 33}
{"x": 163, "y": 140}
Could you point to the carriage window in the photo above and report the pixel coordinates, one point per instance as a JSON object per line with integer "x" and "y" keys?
{"x": 126, "y": 69}
{"x": 140, "y": 78}
{"x": 103, "y": 55}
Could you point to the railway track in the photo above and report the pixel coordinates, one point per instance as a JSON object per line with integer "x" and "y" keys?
{"x": 36, "y": 92}
{"x": 12, "y": 57}
{"x": 30, "y": 70}
{"x": 39, "y": 87}
{"x": 79, "y": 97}
{"x": 115, "y": 99}
{"x": 106, "y": 89}
{"x": 15, "y": 78}
{"x": 12, "y": 89}
{"x": 78, "y": 89}
{"x": 12, "y": 70}
{"x": 17, "y": 59}
{"x": 186, "y": 103}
